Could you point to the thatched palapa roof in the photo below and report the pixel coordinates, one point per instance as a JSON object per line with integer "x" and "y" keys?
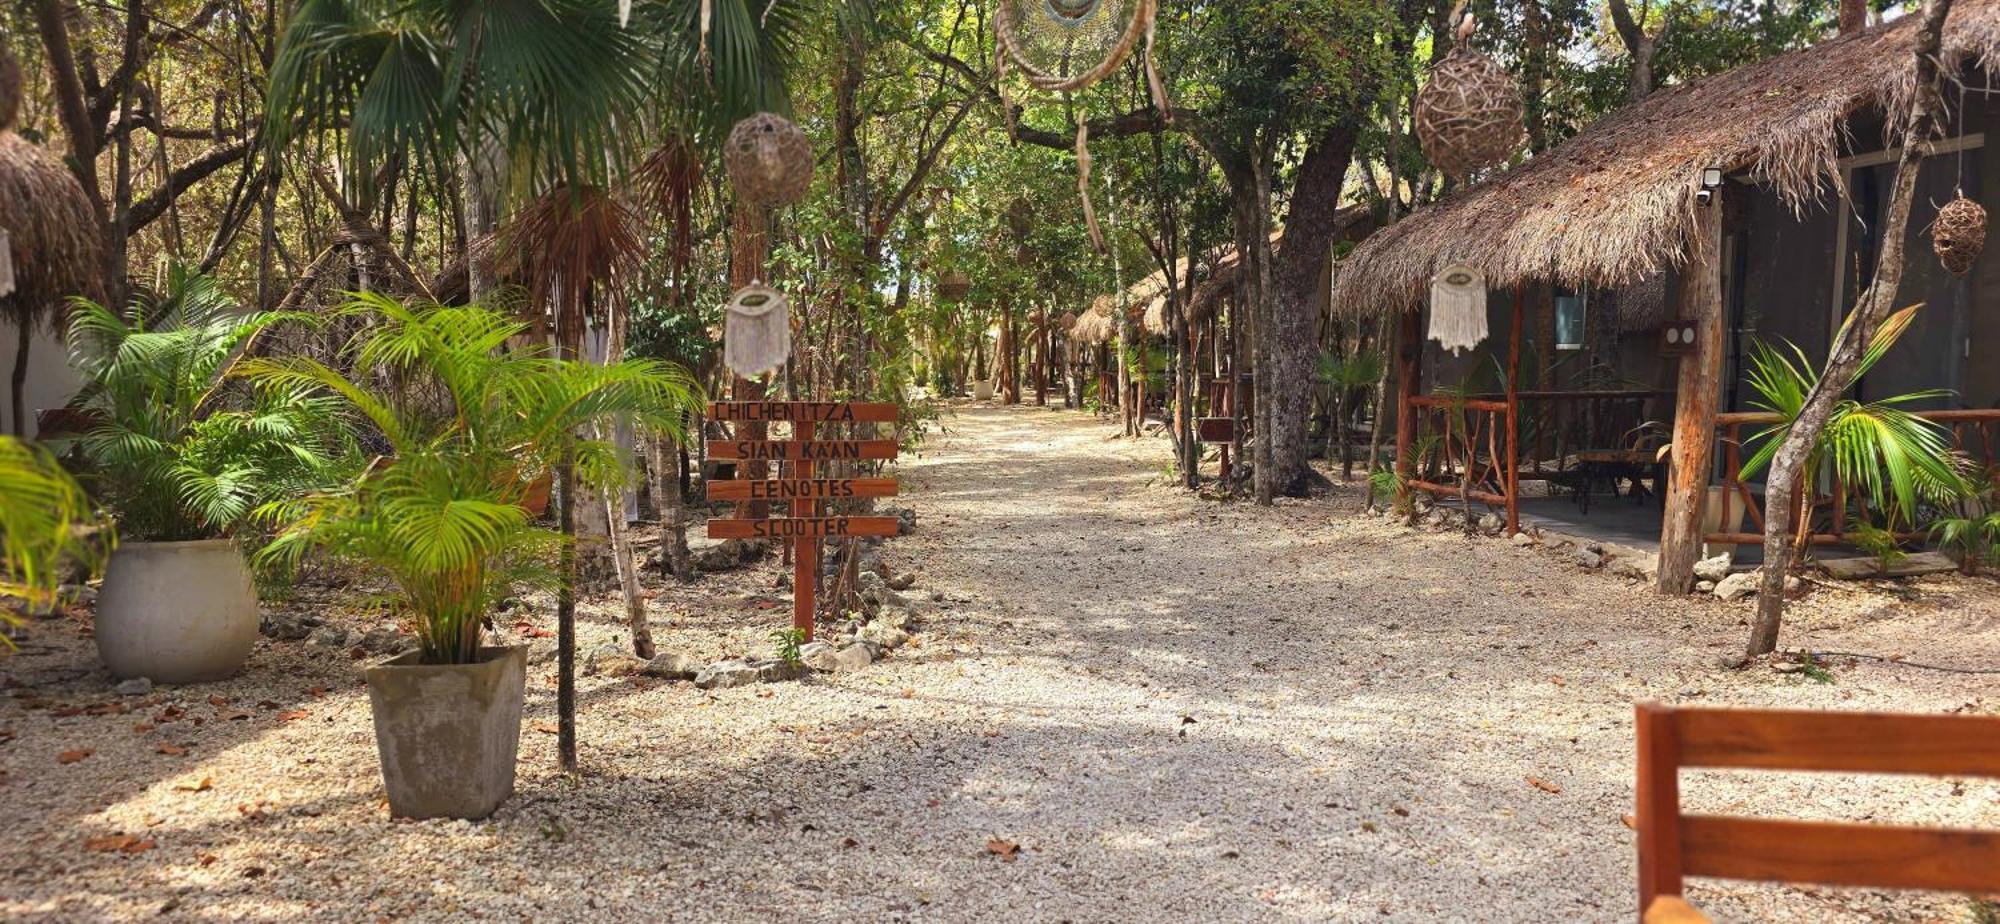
{"x": 1615, "y": 203}
{"x": 1097, "y": 325}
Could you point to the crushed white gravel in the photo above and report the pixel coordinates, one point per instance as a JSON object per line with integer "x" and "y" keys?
{"x": 1175, "y": 709}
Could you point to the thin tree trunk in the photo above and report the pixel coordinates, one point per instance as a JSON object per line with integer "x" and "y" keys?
{"x": 1782, "y": 488}
{"x": 24, "y": 338}
{"x": 614, "y": 514}
{"x": 566, "y": 616}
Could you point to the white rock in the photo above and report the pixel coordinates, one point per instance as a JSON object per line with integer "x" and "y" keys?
{"x": 1523, "y": 539}
{"x": 724, "y": 675}
{"x": 673, "y": 665}
{"x": 853, "y": 657}
{"x": 1712, "y": 569}
{"x": 613, "y": 660}
{"x": 137, "y": 686}
{"x": 1738, "y": 586}
{"x": 883, "y": 634}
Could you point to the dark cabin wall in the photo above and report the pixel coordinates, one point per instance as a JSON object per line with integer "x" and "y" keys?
{"x": 1786, "y": 266}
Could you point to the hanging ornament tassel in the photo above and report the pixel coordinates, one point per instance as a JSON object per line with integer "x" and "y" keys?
{"x": 1083, "y": 185}
{"x": 757, "y": 331}
{"x": 1458, "y": 307}
{"x": 624, "y": 13}
{"x": 1153, "y": 71}
{"x": 707, "y": 20}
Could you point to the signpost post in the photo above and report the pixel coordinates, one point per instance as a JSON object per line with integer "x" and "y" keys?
{"x": 800, "y": 488}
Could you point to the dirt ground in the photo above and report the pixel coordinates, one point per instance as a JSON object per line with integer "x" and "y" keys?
{"x": 1132, "y": 704}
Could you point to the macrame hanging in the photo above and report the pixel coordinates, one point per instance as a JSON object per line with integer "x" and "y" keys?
{"x": 770, "y": 160}
{"x": 757, "y": 331}
{"x": 1959, "y": 234}
{"x": 1458, "y": 307}
{"x": 954, "y": 285}
{"x": 1469, "y": 116}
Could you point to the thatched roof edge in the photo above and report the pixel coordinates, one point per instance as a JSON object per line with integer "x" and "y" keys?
{"x": 1616, "y": 202}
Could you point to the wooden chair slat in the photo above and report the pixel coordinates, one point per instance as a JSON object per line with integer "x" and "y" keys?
{"x": 1863, "y": 742}
{"x": 1832, "y": 853}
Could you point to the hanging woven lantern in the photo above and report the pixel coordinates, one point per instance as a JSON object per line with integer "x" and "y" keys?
{"x": 1469, "y": 115}
{"x": 757, "y": 331}
{"x": 1959, "y": 234}
{"x": 954, "y": 286}
{"x": 770, "y": 160}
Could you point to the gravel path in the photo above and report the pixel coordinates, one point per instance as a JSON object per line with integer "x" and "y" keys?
{"x": 1135, "y": 705}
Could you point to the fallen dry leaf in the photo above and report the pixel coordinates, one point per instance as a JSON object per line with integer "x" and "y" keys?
{"x": 172, "y": 750}
{"x": 70, "y": 757}
{"x": 292, "y": 715}
{"x": 1544, "y": 785}
{"x": 204, "y": 859}
{"x": 207, "y": 783}
{"x": 140, "y": 728}
{"x": 1004, "y": 849}
{"x": 547, "y": 728}
{"x": 1630, "y": 821}
{"x": 118, "y": 843}
{"x": 218, "y": 700}
{"x": 319, "y": 692}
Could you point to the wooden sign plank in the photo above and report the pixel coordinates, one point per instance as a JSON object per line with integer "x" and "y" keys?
{"x": 802, "y": 527}
{"x": 801, "y": 450}
{"x": 806, "y": 411}
{"x": 800, "y": 488}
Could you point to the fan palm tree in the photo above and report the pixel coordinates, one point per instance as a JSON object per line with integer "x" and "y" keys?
{"x": 473, "y": 420}
{"x": 1894, "y": 457}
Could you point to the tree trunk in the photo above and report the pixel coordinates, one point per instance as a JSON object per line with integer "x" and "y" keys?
{"x": 566, "y": 616}
{"x": 1782, "y": 487}
{"x": 1640, "y": 45}
{"x": 24, "y": 338}
{"x": 1298, "y": 278}
{"x": 614, "y": 514}
{"x": 1697, "y": 391}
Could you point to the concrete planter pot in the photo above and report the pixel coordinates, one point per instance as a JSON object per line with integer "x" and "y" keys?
{"x": 449, "y": 734}
{"x": 176, "y": 612}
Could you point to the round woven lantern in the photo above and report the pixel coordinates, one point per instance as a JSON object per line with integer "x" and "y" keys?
{"x": 1469, "y": 115}
{"x": 1959, "y": 234}
{"x": 770, "y": 160}
{"x": 954, "y": 286}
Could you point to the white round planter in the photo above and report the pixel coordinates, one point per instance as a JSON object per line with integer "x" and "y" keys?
{"x": 176, "y": 612}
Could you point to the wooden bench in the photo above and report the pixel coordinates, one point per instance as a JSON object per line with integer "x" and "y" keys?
{"x": 1673, "y": 846}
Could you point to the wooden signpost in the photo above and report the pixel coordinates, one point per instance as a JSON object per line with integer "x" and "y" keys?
{"x": 798, "y": 488}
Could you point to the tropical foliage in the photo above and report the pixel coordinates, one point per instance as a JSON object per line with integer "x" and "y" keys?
{"x": 174, "y": 450}
{"x": 1894, "y": 458}
{"x": 471, "y": 418}
{"x": 45, "y": 522}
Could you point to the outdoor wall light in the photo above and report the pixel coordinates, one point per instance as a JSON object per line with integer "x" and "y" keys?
{"x": 1711, "y": 180}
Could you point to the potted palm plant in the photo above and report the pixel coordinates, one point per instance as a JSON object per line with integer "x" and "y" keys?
{"x": 181, "y": 458}
{"x": 472, "y": 420}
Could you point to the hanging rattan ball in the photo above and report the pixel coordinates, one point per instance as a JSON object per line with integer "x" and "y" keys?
{"x": 1469, "y": 114}
{"x": 10, "y": 89}
{"x": 1959, "y": 234}
{"x": 770, "y": 160}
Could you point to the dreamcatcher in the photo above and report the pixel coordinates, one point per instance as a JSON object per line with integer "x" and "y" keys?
{"x": 1067, "y": 45}
{"x": 757, "y": 331}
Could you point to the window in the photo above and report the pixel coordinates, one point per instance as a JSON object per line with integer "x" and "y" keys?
{"x": 1570, "y": 310}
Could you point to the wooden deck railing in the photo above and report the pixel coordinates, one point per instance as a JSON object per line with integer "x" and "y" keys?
{"x": 1476, "y": 455}
{"x": 1974, "y": 432}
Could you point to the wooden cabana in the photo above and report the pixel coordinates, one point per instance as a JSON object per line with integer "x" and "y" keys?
{"x": 1741, "y": 202}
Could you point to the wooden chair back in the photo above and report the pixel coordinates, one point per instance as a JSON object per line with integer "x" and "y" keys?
{"x": 1673, "y": 846}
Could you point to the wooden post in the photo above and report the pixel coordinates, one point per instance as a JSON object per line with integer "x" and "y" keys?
{"x": 1513, "y": 440}
{"x": 1699, "y": 389}
{"x": 1409, "y": 372}
{"x": 1657, "y": 815}
{"x": 805, "y": 563}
